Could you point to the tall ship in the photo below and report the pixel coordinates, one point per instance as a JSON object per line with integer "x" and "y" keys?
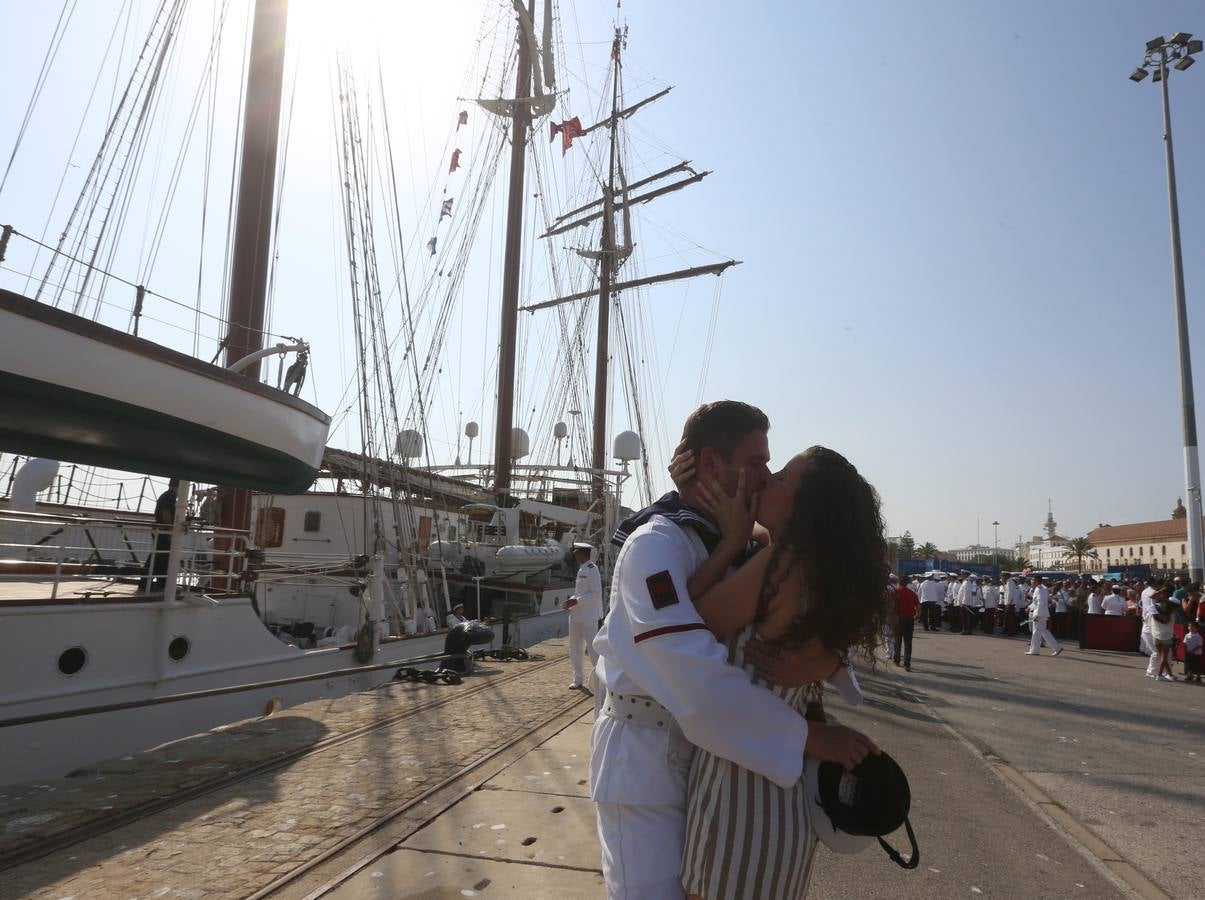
{"x": 283, "y": 567}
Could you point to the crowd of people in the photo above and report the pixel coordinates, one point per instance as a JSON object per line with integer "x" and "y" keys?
{"x": 1050, "y": 610}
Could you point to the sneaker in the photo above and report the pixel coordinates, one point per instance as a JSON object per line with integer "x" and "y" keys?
{"x": 1032, "y": 653}
{"x": 1150, "y": 674}
{"x": 1057, "y": 652}
{"x": 1166, "y": 678}
{"x": 575, "y": 686}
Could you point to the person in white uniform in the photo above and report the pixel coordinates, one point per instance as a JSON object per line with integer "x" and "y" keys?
{"x": 931, "y": 594}
{"x": 1039, "y": 615}
{"x": 456, "y": 616}
{"x": 1113, "y": 603}
{"x": 668, "y": 684}
{"x": 991, "y": 600}
{"x": 969, "y": 601}
{"x": 1146, "y": 640}
{"x": 585, "y": 611}
{"x": 953, "y": 613}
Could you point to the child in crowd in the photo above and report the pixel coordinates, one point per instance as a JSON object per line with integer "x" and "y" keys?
{"x": 1192, "y": 653}
{"x": 1164, "y": 636}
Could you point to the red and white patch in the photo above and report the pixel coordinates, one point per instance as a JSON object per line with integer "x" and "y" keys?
{"x": 661, "y": 590}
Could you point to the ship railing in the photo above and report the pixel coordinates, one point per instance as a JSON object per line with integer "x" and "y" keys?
{"x": 51, "y": 557}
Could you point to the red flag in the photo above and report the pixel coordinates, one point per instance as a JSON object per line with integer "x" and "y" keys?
{"x": 445, "y": 208}
{"x": 570, "y": 129}
{"x": 455, "y": 161}
{"x": 553, "y": 130}
{"x": 463, "y": 118}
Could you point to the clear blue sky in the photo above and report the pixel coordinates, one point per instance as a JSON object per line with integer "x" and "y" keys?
{"x": 952, "y": 218}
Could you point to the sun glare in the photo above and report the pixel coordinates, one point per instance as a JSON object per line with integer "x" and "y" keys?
{"x": 369, "y": 26}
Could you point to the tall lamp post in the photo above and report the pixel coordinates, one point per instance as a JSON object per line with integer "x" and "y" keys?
{"x": 1178, "y": 50}
{"x": 996, "y": 529}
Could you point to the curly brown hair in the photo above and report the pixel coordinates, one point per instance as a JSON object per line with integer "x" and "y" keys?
{"x": 835, "y": 548}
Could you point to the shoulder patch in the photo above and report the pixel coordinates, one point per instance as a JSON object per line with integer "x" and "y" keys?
{"x": 661, "y": 590}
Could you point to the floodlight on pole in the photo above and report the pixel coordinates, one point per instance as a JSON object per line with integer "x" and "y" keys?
{"x": 1196, "y": 46}
{"x": 1139, "y": 74}
{"x": 1158, "y": 53}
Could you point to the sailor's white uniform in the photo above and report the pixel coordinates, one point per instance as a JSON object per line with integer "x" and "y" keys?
{"x": 454, "y": 619}
{"x": 656, "y": 654}
{"x": 583, "y": 618}
{"x": 1040, "y": 609}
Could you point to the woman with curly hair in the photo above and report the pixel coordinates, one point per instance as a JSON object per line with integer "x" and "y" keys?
{"x": 823, "y": 578}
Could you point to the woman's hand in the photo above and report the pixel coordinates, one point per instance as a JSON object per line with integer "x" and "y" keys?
{"x": 796, "y": 667}
{"x": 734, "y": 515}
{"x": 682, "y": 466}
{"x": 839, "y": 744}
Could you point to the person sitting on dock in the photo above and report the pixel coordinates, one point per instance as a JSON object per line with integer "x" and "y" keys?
{"x": 456, "y": 616}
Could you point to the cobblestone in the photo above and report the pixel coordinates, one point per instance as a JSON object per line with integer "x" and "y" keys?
{"x": 237, "y": 840}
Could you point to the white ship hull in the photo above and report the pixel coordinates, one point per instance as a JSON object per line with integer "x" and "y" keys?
{"x": 128, "y": 660}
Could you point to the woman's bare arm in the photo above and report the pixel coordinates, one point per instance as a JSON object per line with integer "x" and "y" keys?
{"x": 731, "y": 603}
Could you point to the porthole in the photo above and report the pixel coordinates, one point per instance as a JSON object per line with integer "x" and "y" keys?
{"x": 178, "y": 648}
{"x": 72, "y": 660}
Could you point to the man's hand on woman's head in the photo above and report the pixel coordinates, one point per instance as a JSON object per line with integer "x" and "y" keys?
{"x": 792, "y": 667}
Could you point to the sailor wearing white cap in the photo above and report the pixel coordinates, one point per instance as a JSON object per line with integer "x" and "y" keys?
{"x": 456, "y": 616}
{"x": 585, "y": 612}
{"x": 1040, "y": 613}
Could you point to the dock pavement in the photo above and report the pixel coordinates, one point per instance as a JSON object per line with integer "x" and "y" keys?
{"x": 1031, "y": 777}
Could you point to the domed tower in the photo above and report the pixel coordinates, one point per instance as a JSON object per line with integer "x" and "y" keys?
{"x": 1179, "y": 512}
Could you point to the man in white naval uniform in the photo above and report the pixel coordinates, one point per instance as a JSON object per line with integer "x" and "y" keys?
{"x": 953, "y": 613}
{"x": 931, "y": 593}
{"x": 970, "y": 601}
{"x": 669, "y": 686}
{"x": 585, "y": 610}
{"x": 1146, "y": 640}
{"x": 1040, "y": 610}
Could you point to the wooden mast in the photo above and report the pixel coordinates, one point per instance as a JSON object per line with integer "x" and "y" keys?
{"x": 520, "y": 122}
{"x": 606, "y": 264}
{"x": 253, "y": 218}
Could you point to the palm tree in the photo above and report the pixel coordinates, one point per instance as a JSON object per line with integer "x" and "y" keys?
{"x": 1080, "y": 549}
{"x": 926, "y": 550}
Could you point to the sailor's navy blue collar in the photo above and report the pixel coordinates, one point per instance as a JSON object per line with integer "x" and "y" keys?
{"x": 672, "y": 507}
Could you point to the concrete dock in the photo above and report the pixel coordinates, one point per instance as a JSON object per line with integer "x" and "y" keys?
{"x": 1031, "y": 777}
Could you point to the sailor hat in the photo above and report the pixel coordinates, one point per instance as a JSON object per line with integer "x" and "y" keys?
{"x": 582, "y": 545}
{"x": 849, "y": 811}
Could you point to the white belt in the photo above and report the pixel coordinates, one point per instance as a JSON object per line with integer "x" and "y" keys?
{"x": 637, "y": 709}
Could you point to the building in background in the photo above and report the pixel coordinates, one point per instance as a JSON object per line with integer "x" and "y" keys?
{"x": 1049, "y": 552}
{"x": 972, "y": 553}
{"x": 1162, "y": 545}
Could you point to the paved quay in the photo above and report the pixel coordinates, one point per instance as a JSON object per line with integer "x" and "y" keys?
{"x": 1109, "y": 762}
{"x": 248, "y": 834}
{"x": 1030, "y": 778}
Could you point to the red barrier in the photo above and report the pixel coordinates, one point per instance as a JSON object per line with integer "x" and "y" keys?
{"x": 1110, "y": 633}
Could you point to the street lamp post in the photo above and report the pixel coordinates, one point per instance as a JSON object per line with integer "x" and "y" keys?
{"x": 1179, "y": 49}
{"x": 996, "y": 529}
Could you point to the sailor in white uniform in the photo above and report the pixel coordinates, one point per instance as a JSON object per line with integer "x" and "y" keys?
{"x": 1040, "y": 615}
{"x": 669, "y": 688}
{"x": 456, "y": 616}
{"x": 585, "y": 612}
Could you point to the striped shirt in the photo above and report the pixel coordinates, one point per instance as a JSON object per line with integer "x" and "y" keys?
{"x": 746, "y": 838}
